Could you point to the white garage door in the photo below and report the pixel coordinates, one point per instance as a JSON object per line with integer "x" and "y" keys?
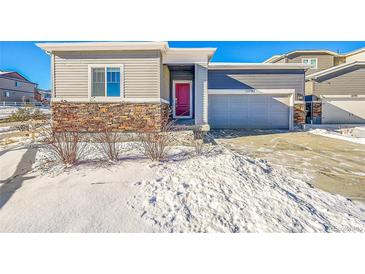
{"x": 343, "y": 111}
{"x": 248, "y": 111}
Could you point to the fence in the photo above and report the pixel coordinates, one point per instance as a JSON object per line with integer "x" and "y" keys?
{"x": 22, "y": 104}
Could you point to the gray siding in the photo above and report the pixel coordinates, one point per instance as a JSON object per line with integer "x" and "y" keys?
{"x": 345, "y": 82}
{"x": 142, "y": 72}
{"x": 23, "y": 92}
{"x": 257, "y": 79}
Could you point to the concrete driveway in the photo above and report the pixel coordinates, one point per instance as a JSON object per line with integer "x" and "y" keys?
{"x": 333, "y": 165}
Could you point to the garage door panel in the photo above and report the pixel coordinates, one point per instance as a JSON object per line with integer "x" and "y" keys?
{"x": 343, "y": 111}
{"x": 249, "y": 111}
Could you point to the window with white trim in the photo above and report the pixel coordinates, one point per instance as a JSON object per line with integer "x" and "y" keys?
{"x": 313, "y": 62}
{"x": 106, "y": 81}
{"x": 7, "y": 94}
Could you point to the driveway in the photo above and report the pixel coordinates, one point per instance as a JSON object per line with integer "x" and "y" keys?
{"x": 335, "y": 166}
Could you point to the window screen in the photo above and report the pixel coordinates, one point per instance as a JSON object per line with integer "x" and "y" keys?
{"x": 98, "y": 82}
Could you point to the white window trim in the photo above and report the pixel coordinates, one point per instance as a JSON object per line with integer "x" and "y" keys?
{"x": 106, "y": 98}
{"x": 174, "y": 82}
{"x": 309, "y": 63}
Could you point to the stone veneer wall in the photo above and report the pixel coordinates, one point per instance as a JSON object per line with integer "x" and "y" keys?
{"x": 317, "y": 112}
{"x": 299, "y": 114}
{"x": 96, "y": 117}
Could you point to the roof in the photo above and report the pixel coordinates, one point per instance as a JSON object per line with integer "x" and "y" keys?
{"x": 14, "y": 75}
{"x": 278, "y": 57}
{"x": 355, "y": 52}
{"x": 258, "y": 66}
{"x": 95, "y": 46}
{"x": 334, "y": 69}
{"x": 67, "y": 46}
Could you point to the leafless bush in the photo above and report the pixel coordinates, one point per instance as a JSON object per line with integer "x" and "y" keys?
{"x": 109, "y": 144}
{"x": 66, "y": 145}
{"x": 154, "y": 145}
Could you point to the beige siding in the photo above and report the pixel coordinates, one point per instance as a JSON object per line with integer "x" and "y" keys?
{"x": 350, "y": 82}
{"x": 356, "y": 57}
{"x": 324, "y": 61}
{"x": 165, "y": 91}
{"x": 201, "y": 94}
{"x": 141, "y": 72}
{"x": 309, "y": 87}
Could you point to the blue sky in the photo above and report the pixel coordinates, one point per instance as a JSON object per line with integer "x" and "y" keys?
{"x": 34, "y": 64}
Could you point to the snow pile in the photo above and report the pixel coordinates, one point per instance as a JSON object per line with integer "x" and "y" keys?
{"x": 5, "y": 129}
{"x": 341, "y": 135}
{"x": 228, "y": 192}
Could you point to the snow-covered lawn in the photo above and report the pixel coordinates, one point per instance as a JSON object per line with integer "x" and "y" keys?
{"x": 344, "y": 134}
{"x": 221, "y": 191}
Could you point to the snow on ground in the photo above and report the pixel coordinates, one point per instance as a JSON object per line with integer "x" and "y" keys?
{"x": 6, "y": 111}
{"x": 228, "y": 192}
{"x": 219, "y": 192}
{"x": 336, "y": 134}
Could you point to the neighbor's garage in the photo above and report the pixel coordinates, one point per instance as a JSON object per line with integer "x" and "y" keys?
{"x": 343, "y": 111}
{"x": 253, "y": 96}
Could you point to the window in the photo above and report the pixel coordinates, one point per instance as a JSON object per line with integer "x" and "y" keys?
{"x": 310, "y": 61}
{"x": 7, "y": 94}
{"x": 16, "y": 84}
{"x": 106, "y": 81}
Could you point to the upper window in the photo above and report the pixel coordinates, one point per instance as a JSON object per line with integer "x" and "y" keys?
{"x": 106, "y": 81}
{"x": 16, "y": 84}
{"x": 311, "y": 61}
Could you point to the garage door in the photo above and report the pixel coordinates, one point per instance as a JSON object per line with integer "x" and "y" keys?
{"x": 249, "y": 111}
{"x": 343, "y": 111}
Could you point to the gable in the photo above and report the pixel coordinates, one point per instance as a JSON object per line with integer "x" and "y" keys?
{"x": 15, "y": 75}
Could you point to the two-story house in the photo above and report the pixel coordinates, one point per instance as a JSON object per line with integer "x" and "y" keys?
{"x": 16, "y": 88}
{"x": 335, "y": 84}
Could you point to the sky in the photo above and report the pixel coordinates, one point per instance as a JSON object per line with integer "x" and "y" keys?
{"x": 33, "y": 63}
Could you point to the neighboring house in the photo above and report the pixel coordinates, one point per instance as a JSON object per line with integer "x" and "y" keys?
{"x": 139, "y": 86}
{"x": 16, "y": 88}
{"x": 43, "y": 96}
{"x": 335, "y": 85}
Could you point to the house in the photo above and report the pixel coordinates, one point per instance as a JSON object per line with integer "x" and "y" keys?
{"x": 16, "y": 88}
{"x": 139, "y": 86}
{"x": 335, "y": 84}
{"x": 43, "y": 96}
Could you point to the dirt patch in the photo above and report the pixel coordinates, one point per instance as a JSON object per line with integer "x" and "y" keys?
{"x": 333, "y": 165}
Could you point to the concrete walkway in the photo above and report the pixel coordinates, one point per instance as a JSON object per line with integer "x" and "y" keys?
{"x": 333, "y": 165}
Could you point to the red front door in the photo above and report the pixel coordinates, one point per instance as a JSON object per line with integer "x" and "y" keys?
{"x": 182, "y": 100}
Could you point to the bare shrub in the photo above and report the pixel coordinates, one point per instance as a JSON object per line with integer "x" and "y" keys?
{"x": 154, "y": 145}
{"x": 66, "y": 145}
{"x": 109, "y": 144}
{"x": 21, "y": 114}
{"x": 27, "y": 113}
